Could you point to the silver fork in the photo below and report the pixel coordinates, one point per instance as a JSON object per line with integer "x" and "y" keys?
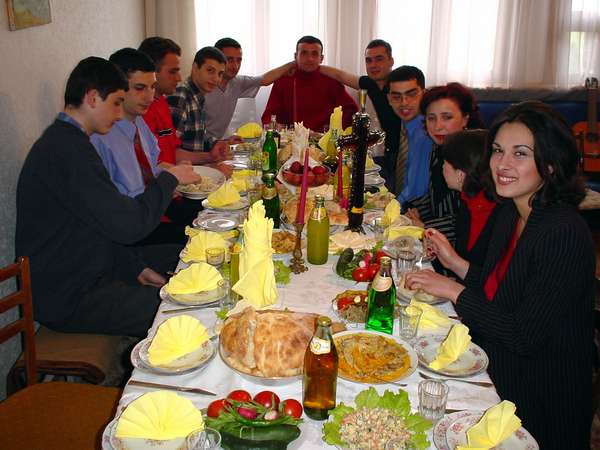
{"x": 460, "y": 380}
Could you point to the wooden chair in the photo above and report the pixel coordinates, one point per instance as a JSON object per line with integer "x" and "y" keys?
{"x": 52, "y": 415}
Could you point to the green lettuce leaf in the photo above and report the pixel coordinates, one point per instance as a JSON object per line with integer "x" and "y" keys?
{"x": 370, "y": 398}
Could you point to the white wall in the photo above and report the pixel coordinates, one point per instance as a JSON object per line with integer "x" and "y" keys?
{"x": 35, "y": 65}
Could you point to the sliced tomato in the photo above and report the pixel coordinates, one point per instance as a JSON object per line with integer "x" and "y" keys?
{"x": 216, "y": 407}
{"x": 292, "y": 408}
{"x": 268, "y": 399}
{"x": 344, "y": 302}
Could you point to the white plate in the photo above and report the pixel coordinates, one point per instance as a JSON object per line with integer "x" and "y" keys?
{"x": 205, "y": 172}
{"x": 216, "y": 223}
{"x": 240, "y": 204}
{"x": 348, "y": 323}
{"x": 199, "y": 359}
{"x": 374, "y": 179}
{"x": 207, "y": 298}
{"x": 439, "y": 432}
{"x": 411, "y": 353}
{"x": 471, "y": 362}
{"x": 456, "y": 435}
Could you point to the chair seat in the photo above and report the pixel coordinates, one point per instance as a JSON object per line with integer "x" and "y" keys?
{"x": 89, "y": 356}
{"x": 57, "y": 415}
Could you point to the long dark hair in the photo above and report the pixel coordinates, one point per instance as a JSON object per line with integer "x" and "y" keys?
{"x": 555, "y": 151}
{"x": 461, "y": 95}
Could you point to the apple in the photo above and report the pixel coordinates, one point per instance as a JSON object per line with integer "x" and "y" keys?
{"x": 296, "y": 167}
{"x": 319, "y": 170}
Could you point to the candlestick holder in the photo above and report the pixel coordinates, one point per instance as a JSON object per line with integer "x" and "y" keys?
{"x": 297, "y": 262}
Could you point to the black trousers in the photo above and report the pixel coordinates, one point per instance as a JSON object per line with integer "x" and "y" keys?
{"x": 181, "y": 212}
{"x": 119, "y": 304}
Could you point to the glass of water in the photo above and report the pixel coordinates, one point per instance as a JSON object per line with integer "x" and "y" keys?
{"x": 433, "y": 395}
{"x": 207, "y": 439}
{"x": 409, "y": 322}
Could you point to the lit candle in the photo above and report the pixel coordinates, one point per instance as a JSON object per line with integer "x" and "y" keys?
{"x": 303, "y": 189}
{"x": 340, "y": 186}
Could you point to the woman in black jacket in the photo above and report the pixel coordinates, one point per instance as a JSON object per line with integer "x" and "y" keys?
{"x": 530, "y": 305}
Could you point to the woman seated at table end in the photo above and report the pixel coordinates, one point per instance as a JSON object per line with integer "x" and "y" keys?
{"x": 530, "y": 305}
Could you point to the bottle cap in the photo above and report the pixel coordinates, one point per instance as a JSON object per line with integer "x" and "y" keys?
{"x": 324, "y": 321}
{"x": 385, "y": 260}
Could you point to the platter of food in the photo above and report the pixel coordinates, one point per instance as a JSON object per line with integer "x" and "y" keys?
{"x": 211, "y": 180}
{"x": 373, "y": 357}
{"x": 359, "y": 266}
{"x": 378, "y": 200}
{"x": 283, "y": 243}
{"x": 350, "y": 307}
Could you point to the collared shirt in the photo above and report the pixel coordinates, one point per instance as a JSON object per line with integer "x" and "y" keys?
{"x": 189, "y": 119}
{"x": 220, "y": 104}
{"x": 158, "y": 118}
{"x": 118, "y": 155}
{"x": 416, "y": 181}
{"x": 67, "y": 118}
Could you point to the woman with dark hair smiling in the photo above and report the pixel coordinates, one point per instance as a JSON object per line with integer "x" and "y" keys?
{"x": 530, "y": 305}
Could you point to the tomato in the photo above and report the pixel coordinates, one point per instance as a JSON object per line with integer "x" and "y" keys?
{"x": 379, "y": 255}
{"x": 216, "y": 407}
{"x": 267, "y": 398}
{"x": 344, "y": 302}
{"x": 373, "y": 269}
{"x": 360, "y": 274}
{"x": 292, "y": 408}
{"x": 240, "y": 395}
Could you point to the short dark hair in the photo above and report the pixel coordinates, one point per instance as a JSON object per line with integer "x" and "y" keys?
{"x": 93, "y": 73}
{"x": 227, "y": 42}
{"x": 407, "y": 73}
{"x": 381, "y": 43}
{"x": 309, "y": 40}
{"x": 464, "y": 150}
{"x": 130, "y": 60}
{"x": 157, "y": 48}
{"x": 555, "y": 151}
{"x": 461, "y": 95}
{"x": 209, "y": 53}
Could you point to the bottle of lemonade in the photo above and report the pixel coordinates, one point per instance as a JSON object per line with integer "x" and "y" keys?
{"x": 318, "y": 233}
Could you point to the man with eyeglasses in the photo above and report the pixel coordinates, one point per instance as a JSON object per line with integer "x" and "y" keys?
{"x": 407, "y": 170}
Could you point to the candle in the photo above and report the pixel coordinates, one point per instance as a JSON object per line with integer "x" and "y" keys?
{"x": 294, "y": 115}
{"x": 340, "y": 186}
{"x": 303, "y": 189}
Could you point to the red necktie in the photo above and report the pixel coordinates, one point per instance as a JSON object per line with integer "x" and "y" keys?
{"x": 142, "y": 159}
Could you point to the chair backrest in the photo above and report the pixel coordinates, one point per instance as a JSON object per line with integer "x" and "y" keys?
{"x": 22, "y": 297}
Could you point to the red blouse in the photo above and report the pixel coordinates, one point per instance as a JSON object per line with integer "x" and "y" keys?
{"x": 497, "y": 275}
{"x": 480, "y": 210}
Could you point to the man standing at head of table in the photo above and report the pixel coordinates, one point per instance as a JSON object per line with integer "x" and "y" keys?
{"x": 308, "y": 96}
{"x": 76, "y": 227}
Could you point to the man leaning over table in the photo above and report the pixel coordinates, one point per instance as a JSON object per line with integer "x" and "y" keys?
{"x": 221, "y": 102}
{"x": 130, "y": 151}
{"x": 379, "y": 63}
{"x": 76, "y": 227}
{"x": 308, "y": 95}
{"x": 188, "y": 110}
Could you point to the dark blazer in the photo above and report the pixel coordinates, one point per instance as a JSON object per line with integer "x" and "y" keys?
{"x": 538, "y": 328}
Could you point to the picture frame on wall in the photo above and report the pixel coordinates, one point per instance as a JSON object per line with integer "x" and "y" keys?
{"x": 27, "y": 13}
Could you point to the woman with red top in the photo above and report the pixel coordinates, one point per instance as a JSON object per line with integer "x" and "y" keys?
{"x": 530, "y": 304}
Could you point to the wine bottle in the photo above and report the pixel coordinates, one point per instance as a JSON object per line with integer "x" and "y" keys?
{"x": 382, "y": 299}
{"x": 269, "y": 154}
{"x": 270, "y": 198}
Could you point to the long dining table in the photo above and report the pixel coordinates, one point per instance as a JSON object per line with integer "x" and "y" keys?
{"x": 311, "y": 291}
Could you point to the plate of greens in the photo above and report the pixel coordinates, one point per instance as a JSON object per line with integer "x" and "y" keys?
{"x": 374, "y": 420}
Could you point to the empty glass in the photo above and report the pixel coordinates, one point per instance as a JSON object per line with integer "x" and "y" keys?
{"x": 207, "y": 439}
{"x": 377, "y": 228}
{"x": 433, "y": 395}
{"x": 405, "y": 263}
{"x": 409, "y": 322}
{"x": 215, "y": 256}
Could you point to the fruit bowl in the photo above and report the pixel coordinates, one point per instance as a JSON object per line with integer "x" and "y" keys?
{"x": 314, "y": 179}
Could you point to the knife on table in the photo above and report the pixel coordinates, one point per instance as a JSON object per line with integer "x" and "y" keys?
{"x": 190, "y": 390}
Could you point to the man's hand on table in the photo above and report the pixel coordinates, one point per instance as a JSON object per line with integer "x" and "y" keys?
{"x": 220, "y": 151}
{"x": 433, "y": 283}
{"x": 226, "y": 169}
{"x": 149, "y": 277}
{"x": 184, "y": 173}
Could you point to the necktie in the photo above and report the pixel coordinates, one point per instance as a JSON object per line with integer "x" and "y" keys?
{"x": 401, "y": 159}
{"x": 142, "y": 159}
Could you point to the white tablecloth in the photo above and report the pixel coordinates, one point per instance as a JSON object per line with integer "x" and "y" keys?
{"x": 311, "y": 291}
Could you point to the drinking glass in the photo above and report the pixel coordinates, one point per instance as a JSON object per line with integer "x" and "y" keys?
{"x": 215, "y": 256}
{"x": 377, "y": 228}
{"x": 207, "y": 439}
{"x": 405, "y": 262}
{"x": 234, "y": 273}
{"x": 410, "y": 317}
{"x": 433, "y": 395}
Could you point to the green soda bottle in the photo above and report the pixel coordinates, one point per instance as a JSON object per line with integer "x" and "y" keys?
{"x": 318, "y": 233}
{"x": 270, "y": 198}
{"x": 269, "y": 154}
{"x": 382, "y": 299}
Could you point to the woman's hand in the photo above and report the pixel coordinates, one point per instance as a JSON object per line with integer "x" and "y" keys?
{"x": 413, "y": 215}
{"x": 433, "y": 283}
{"x": 437, "y": 244}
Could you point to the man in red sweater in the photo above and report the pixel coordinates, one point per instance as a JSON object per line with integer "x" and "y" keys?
{"x": 308, "y": 96}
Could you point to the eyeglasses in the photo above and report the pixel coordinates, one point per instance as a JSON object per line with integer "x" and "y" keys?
{"x": 398, "y": 97}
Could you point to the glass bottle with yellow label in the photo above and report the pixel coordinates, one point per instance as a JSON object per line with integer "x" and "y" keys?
{"x": 320, "y": 372}
{"x": 317, "y": 234}
{"x": 270, "y": 198}
{"x": 382, "y": 299}
{"x": 269, "y": 154}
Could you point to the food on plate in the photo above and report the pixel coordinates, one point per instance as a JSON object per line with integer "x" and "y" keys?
{"x": 379, "y": 200}
{"x": 250, "y": 130}
{"x": 367, "y": 260}
{"x": 374, "y": 420}
{"x": 206, "y": 184}
{"x": 418, "y": 294}
{"x": 283, "y": 242}
{"x": 350, "y": 239}
{"x": 252, "y": 424}
{"x": 337, "y": 214}
{"x": 352, "y": 306}
{"x": 316, "y": 176}
{"x": 371, "y": 358}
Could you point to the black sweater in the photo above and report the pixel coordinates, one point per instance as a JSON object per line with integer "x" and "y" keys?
{"x": 74, "y": 224}
{"x": 538, "y": 329}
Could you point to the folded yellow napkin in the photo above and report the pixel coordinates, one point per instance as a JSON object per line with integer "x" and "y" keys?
{"x": 394, "y": 232}
{"x": 249, "y": 130}
{"x": 200, "y": 240}
{"x": 454, "y": 345}
{"x": 159, "y": 415}
{"x": 431, "y": 317}
{"x": 369, "y": 162}
{"x": 225, "y": 195}
{"x": 199, "y": 277}
{"x": 257, "y": 273}
{"x": 390, "y": 213}
{"x": 239, "y": 179}
{"x": 335, "y": 123}
{"x": 176, "y": 337}
{"x": 497, "y": 424}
